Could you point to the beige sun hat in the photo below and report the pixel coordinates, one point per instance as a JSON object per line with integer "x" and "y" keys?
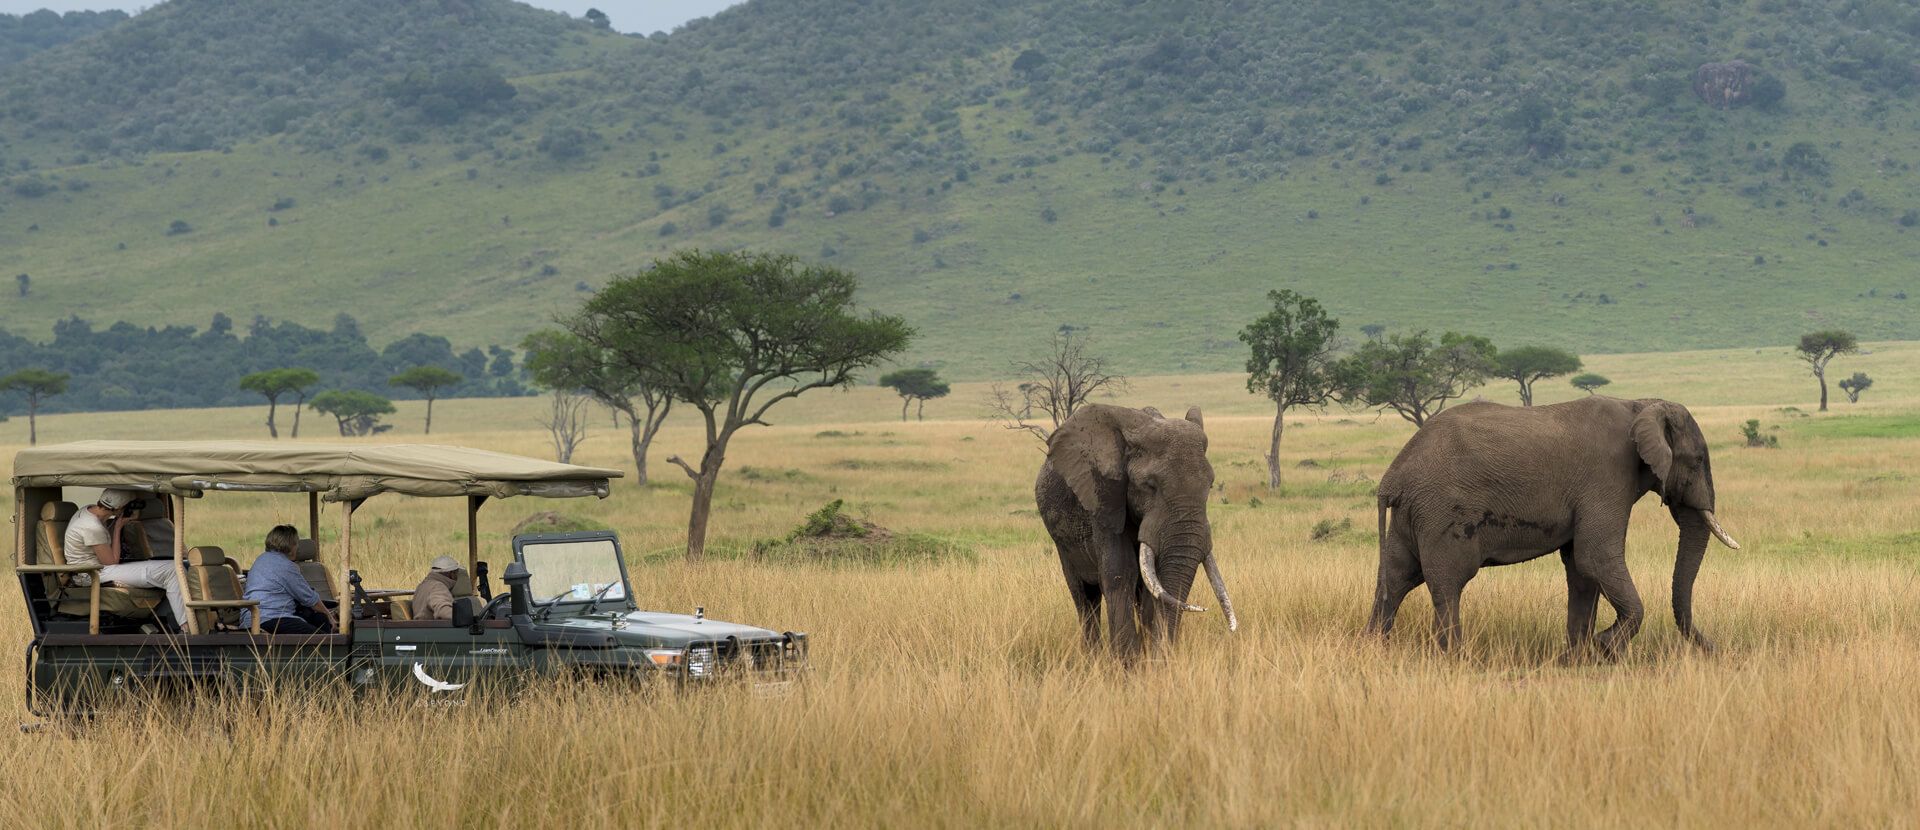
{"x": 444, "y": 564}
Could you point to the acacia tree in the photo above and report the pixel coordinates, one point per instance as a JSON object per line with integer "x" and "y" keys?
{"x": 1292, "y": 361}
{"x": 428, "y": 381}
{"x": 732, "y": 334}
{"x": 1853, "y": 386}
{"x": 357, "y": 412}
{"x": 1528, "y": 364}
{"x": 35, "y": 384}
{"x": 1819, "y": 347}
{"x": 915, "y": 385}
{"x": 1589, "y": 382}
{"x": 274, "y": 383}
{"x": 1413, "y": 375}
{"x": 558, "y": 360}
{"x": 1054, "y": 385}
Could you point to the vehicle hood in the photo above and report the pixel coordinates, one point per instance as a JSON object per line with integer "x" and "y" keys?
{"x": 696, "y": 627}
{"x": 654, "y": 628}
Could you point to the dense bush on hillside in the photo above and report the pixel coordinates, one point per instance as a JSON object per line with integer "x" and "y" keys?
{"x": 23, "y": 35}
{"x": 1238, "y": 90}
{"x": 1183, "y": 90}
{"x": 196, "y": 75}
{"x": 125, "y": 366}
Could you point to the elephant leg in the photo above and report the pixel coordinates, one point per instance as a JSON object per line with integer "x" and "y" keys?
{"x": 1154, "y": 619}
{"x": 1120, "y": 585}
{"x": 1583, "y": 603}
{"x": 1399, "y": 575}
{"x": 1086, "y": 604}
{"x": 1609, "y": 570}
{"x": 1445, "y": 580}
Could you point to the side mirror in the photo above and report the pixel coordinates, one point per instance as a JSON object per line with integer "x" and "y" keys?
{"x": 517, "y": 578}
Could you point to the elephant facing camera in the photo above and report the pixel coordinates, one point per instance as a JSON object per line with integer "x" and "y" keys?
{"x": 1123, "y": 494}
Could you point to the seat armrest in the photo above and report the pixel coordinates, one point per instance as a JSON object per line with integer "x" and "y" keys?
{"x": 388, "y": 594}
{"x": 57, "y": 569}
{"x": 231, "y": 603}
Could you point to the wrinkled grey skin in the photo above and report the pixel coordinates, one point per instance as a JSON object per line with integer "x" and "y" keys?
{"x": 1485, "y": 484}
{"x": 1115, "y": 477}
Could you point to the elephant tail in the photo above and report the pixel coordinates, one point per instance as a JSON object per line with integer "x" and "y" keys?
{"x": 1384, "y": 502}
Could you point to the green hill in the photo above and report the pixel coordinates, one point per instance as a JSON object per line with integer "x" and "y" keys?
{"x": 24, "y": 34}
{"x": 1536, "y": 172}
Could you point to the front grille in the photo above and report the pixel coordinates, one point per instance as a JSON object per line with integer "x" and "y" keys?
{"x": 755, "y": 657}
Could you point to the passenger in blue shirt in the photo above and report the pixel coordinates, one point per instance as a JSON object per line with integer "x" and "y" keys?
{"x": 288, "y": 605}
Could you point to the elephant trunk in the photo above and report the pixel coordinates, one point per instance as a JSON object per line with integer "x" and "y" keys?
{"x": 1189, "y": 546}
{"x": 1695, "y": 527}
{"x": 1150, "y": 573}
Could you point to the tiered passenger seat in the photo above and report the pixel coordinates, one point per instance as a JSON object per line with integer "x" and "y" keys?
{"x": 67, "y": 598}
{"x": 214, "y": 592}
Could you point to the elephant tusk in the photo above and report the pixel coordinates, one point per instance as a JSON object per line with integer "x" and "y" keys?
{"x": 1718, "y": 531}
{"x": 1152, "y": 577}
{"x": 1220, "y": 590}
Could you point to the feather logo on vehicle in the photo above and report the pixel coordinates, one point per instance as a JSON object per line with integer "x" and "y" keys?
{"x": 420, "y": 674}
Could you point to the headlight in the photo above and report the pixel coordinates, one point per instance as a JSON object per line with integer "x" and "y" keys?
{"x": 700, "y": 662}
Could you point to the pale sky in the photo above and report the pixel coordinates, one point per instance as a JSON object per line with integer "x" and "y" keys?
{"x": 645, "y": 16}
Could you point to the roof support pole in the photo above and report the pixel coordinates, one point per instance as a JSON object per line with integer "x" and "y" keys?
{"x": 473, "y": 533}
{"x": 313, "y": 517}
{"x": 20, "y": 535}
{"x": 346, "y": 562}
{"x": 191, "y": 624}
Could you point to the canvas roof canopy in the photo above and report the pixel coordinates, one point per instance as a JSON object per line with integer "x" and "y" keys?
{"x": 339, "y": 472}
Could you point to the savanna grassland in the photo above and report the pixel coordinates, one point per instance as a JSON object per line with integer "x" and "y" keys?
{"x": 955, "y": 693}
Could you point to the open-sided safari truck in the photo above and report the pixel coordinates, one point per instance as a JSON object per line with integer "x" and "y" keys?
{"x": 567, "y": 607}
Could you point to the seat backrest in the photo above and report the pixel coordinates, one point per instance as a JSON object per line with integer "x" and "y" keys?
{"x": 158, "y": 528}
{"x": 51, "y": 543}
{"x": 211, "y": 576}
{"x": 466, "y": 606}
{"x": 306, "y": 555}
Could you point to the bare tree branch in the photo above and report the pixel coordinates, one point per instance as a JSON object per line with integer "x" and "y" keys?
{"x": 1054, "y": 385}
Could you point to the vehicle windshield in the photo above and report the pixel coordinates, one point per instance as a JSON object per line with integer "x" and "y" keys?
{"x": 574, "y": 570}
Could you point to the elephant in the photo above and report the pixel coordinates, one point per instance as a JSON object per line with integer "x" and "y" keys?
{"x": 1487, "y": 484}
{"x": 1123, "y": 493}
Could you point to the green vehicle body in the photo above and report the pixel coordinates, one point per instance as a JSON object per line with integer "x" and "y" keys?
{"x": 73, "y": 671}
{"x": 592, "y": 629}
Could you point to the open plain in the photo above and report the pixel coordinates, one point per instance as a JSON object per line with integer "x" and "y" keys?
{"x": 955, "y": 693}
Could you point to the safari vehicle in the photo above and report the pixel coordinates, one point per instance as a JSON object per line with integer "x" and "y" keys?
{"x": 567, "y": 607}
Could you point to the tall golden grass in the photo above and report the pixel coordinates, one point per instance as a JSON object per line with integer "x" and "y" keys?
{"x": 957, "y": 695}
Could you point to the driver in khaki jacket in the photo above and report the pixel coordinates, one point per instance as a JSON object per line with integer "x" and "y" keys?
{"x": 433, "y": 600}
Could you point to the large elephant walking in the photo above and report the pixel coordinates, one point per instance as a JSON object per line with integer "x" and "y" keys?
{"x": 1485, "y": 484}
{"x": 1123, "y": 493}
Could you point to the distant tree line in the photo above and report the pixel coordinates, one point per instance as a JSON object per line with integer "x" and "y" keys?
{"x": 126, "y": 366}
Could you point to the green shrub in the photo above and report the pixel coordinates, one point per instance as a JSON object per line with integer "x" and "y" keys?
{"x": 1751, "y": 429}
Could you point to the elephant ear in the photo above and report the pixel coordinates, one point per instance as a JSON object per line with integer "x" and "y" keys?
{"x": 1650, "y": 439}
{"x": 1090, "y": 452}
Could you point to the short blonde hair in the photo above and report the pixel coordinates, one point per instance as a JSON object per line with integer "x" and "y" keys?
{"x": 283, "y": 538}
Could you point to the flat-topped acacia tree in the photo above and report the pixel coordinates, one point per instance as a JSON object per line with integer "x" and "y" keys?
{"x": 36, "y": 384}
{"x": 731, "y": 334}
{"x": 428, "y": 381}
{"x": 274, "y": 383}
{"x": 558, "y": 360}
